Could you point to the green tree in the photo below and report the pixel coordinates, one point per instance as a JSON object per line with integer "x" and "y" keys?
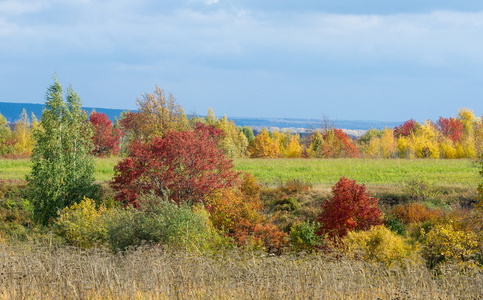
{"x": 62, "y": 166}
{"x": 5, "y": 135}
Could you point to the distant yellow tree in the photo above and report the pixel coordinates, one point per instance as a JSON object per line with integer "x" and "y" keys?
{"x": 22, "y": 135}
{"x": 316, "y": 145}
{"x": 388, "y": 143}
{"x": 294, "y": 149}
{"x": 372, "y": 148}
{"x": 405, "y": 147}
{"x": 425, "y": 141}
{"x": 467, "y": 148}
{"x": 263, "y": 146}
{"x": 448, "y": 149}
{"x": 159, "y": 113}
{"x": 234, "y": 144}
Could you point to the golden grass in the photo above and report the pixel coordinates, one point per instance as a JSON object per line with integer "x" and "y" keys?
{"x": 34, "y": 271}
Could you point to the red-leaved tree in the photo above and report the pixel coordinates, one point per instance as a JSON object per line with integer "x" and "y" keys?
{"x": 406, "y": 129}
{"x": 181, "y": 167}
{"x": 350, "y": 208}
{"x": 338, "y": 144}
{"x": 105, "y": 138}
{"x": 452, "y": 128}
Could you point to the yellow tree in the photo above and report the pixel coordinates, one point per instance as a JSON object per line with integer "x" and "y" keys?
{"x": 22, "y": 135}
{"x": 263, "y": 146}
{"x": 425, "y": 141}
{"x": 479, "y": 136}
{"x": 234, "y": 143}
{"x": 388, "y": 143}
{"x": 159, "y": 113}
{"x": 316, "y": 145}
{"x": 294, "y": 149}
{"x": 467, "y": 146}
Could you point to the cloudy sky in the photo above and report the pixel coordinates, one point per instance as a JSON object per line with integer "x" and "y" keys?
{"x": 379, "y": 60}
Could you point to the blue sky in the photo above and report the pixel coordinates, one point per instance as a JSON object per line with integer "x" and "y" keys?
{"x": 346, "y": 59}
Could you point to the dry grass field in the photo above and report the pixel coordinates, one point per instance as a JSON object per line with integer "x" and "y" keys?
{"x": 39, "y": 272}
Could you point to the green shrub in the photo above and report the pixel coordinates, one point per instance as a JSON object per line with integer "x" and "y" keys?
{"x": 396, "y": 225}
{"x": 82, "y": 224}
{"x": 303, "y": 237}
{"x": 420, "y": 189}
{"x": 379, "y": 244}
{"x": 164, "y": 223}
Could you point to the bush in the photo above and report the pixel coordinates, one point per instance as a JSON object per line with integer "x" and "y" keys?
{"x": 419, "y": 189}
{"x": 82, "y": 224}
{"x": 303, "y": 237}
{"x": 379, "y": 244}
{"x": 445, "y": 244}
{"x": 165, "y": 223}
{"x": 415, "y": 213}
{"x": 350, "y": 208}
{"x": 238, "y": 214}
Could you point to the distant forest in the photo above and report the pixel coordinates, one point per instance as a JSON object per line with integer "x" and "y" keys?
{"x": 12, "y": 111}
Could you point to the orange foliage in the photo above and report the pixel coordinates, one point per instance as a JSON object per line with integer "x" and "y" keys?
{"x": 238, "y": 214}
{"x": 415, "y": 213}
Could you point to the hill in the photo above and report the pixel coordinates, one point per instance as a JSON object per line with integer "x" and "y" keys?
{"x": 12, "y": 111}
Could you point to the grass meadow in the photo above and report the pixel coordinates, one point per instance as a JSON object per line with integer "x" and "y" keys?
{"x": 43, "y": 272}
{"x": 459, "y": 173}
{"x": 40, "y": 266}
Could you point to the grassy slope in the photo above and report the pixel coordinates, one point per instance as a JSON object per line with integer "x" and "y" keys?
{"x": 320, "y": 172}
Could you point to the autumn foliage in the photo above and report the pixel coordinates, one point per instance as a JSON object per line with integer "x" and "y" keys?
{"x": 105, "y": 137}
{"x": 350, "y": 208}
{"x": 238, "y": 214}
{"x": 182, "y": 167}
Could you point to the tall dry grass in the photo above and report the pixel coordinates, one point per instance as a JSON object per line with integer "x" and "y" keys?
{"x": 34, "y": 271}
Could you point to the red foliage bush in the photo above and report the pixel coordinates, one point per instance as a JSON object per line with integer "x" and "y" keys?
{"x": 105, "y": 137}
{"x": 338, "y": 144}
{"x": 452, "y": 128}
{"x": 415, "y": 213}
{"x": 350, "y": 208}
{"x": 405, "y": 129}
{"x": 182, "y": 167}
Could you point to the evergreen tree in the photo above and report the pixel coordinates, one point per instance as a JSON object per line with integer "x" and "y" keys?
{"x": 62, "y": 166}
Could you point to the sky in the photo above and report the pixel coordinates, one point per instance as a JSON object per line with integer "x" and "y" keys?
{"x": 382, "y": 60}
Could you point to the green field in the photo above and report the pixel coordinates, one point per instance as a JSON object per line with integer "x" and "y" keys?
{"x": 319, "y": 172}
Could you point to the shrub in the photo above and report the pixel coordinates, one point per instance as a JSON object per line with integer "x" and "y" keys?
{"x": 415, "y": 213}
{"x": 378, "y": 244}
{"x": 350, "y": 208}
{"x": 303, "y": 236}
{"x": 82, "y": 224}
{"x": 419, "y": 189}
{"x": 161, "y": 222}
{"x": 238, "y": 214}
{"x": 294, "y": 186}
{"x": 445, "y": 244}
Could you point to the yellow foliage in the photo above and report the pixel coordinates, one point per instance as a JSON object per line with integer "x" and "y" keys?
{"x": 81, "y": 224}
{"x": 444, "y": 244}
{"x": 404, "y": 147}
{"x": 373, "y": 148}
{"x": 379, "y": 244}
{"x": 448, "y": 149}
{"x": 294, "y": 149}
{"x": 425, "y": 142}
{"x": 388, "y": 143}
{"x": 263, "y": 146}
